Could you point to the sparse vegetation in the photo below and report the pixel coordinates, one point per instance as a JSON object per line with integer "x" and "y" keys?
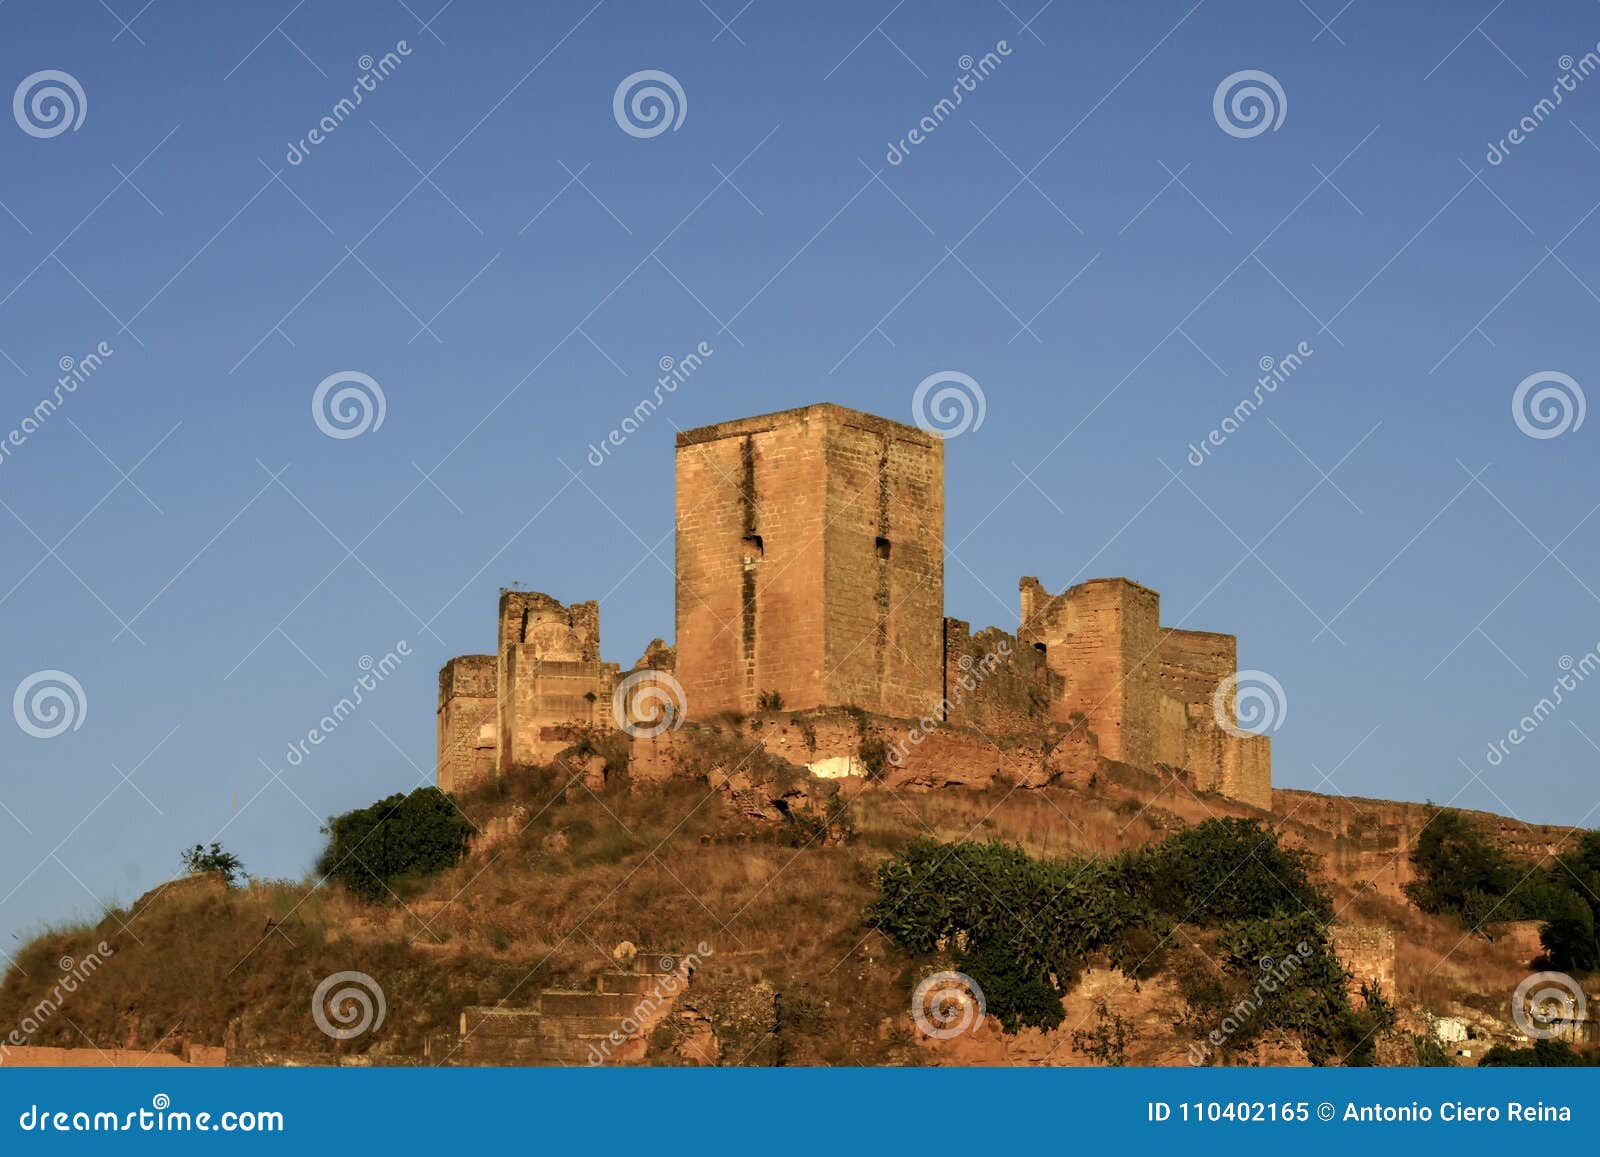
{"x": 666, "y": 866}
{"x": 200, "y": 859}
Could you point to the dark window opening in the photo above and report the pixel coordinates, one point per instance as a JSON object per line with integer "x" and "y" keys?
{"x": 752, "y": 548}
{"x": 883, "y": 547}
{"x": 1039, "y": 647}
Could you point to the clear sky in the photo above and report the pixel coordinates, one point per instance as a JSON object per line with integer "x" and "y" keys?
{"x": 484, "y": 240}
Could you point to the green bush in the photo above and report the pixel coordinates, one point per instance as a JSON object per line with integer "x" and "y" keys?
{"x": 371, "y": 848}
{"x": 1024, "y": 928}
{"x": 1548, "y": 1054}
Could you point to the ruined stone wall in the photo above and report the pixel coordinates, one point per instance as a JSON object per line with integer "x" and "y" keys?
{"x": 1101, "y": 638}
{"x": 1190, "y": 664}
{"x": 550, "y": 676}
{"x": 995, "y": 683}
{"x": 1368, "y": 841}
{"x": 1367, "y": 953}
{"x": 810, "y": 563}
{"x": 466, "y": 711}
{"x": 1145, "y": 691}
{"x": 1247, "y": 776}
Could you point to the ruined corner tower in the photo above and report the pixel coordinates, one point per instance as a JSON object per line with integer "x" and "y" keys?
{"x": 1148, "y": 692}
{"x": 810, "y": 563}
{"x": 550, "y": 677}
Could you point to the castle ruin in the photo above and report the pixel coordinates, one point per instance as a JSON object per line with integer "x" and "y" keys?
{"x": 810, "y": 576}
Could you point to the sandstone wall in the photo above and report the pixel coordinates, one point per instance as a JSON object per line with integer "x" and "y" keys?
{"x": 466, "y": 708}
{"x": 995, "y": 683}
{"x": 1367, "y": 952}
{"x": 750, "y": 517}
{"x": 883, "y": 565}
{"x": 1101, "y": 638}
{"x": 550, "y": 676}
{"x": 1368, "y": 841}
{"x": 32, "y": 1057}
{"x": 810, "y": 559}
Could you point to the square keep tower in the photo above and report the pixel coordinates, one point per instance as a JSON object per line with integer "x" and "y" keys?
{"x": 810, "y": 560}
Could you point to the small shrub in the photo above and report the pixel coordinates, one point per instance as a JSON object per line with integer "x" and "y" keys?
{"x": 199, "y": 859}
{"x": 1107, "y": 1041}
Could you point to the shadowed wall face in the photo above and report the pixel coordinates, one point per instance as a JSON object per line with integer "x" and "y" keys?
{"x": 810, "y": 563}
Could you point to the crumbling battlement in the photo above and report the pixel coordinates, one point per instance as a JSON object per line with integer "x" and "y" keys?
{"x": 550, "y": 677}
{"x": 1148, "y": 692}
{"x": 810, "y": 576}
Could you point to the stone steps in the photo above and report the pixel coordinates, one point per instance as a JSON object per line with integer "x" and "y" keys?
{"x": 570, "y": 1026}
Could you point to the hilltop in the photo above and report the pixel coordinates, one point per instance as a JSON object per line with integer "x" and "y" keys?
{"x": 580, "y": 876}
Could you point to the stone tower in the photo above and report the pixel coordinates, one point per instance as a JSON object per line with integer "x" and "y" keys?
{"x": 550, "y": 678}
{"x": 810, "y": 563}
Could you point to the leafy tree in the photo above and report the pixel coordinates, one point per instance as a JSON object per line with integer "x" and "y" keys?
{"x": 1458, "y": 871}
{"x": 405, "y": 835}
{"x": 1568, "y": 935}
{"x": 199, "y": 859}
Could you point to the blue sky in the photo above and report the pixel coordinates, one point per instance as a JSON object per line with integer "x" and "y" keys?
{"x": 482, "y": 239}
